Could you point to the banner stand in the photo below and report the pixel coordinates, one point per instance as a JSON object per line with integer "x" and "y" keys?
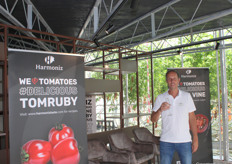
{"x": 196, "y": 82}
{"x": 47, "y": 107}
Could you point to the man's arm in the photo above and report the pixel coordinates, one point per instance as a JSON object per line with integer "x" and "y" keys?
{"x": 193, "y": 128}
{"x": 155, "y": 115}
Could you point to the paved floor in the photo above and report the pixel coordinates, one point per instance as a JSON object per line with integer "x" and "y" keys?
{"x": 221, "y": 162}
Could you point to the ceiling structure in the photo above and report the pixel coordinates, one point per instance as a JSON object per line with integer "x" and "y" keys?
{"x": 124, "y": 23}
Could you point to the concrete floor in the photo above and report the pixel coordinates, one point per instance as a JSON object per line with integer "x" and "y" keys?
{"x": 216, "y": 161}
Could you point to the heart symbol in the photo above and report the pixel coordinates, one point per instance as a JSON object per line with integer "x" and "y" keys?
{"x": 34, "y": 80}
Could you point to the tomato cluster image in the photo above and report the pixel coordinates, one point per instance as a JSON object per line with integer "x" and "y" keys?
{"x": 61, "y": 148}
{"x": 202, "y": 123}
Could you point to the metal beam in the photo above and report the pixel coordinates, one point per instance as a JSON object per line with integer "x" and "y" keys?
{"x": 201, "y": 20}
{"x": 88, "y": 20}
{"x": 13, "y": 20}
{"x": 166, "y": 49}
{"x": 42, "y": 20}
{"x": 114, "y": 11}
{"x": 224, "y": 101}
{"x": 196, "y": 11}
{"x": 153, "y": 25}
{"x": 39, "y": 17}
{"x": 230, "y": 1}
{"x": 96, "y": 18}
{"x": 92, "y": 30}
{"x": 142, "y": 17}
{"x": 29, "y": 16}
{"x": 182, "y": 19}
{"x": 219, "y": 103}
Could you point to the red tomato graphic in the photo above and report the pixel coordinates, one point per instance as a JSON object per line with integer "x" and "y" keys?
{"x": 36, "y": 152}
{"x": 59, "y": 133}
{"x": 66, "y": 152}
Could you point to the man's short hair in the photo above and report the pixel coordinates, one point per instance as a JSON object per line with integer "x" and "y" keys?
{"x": 172, "y": 70}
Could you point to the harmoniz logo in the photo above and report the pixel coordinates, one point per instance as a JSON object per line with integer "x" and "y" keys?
{"x": 188, "y": 72}
{"x": 49, "y": 59}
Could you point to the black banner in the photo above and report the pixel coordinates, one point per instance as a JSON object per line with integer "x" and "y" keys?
{"x": 47, "y": 115}
{"x": 196, "y": 82}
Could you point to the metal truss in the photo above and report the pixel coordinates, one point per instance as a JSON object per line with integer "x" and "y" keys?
{"x": 98, "y": 18}
{"x": 151, "y": 34}
{"x": 170, "y": 47}
{"x": 159, "y": 37}
{"x": 187, "y": 39}
{"x": 96, "y": 57}
{"x": 135, "y": 23}
{"x": 32, "y": 20}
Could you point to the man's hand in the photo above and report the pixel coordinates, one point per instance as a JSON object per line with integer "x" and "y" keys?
{"x": 164, "y": 106}
{"x": 155, "y": 115}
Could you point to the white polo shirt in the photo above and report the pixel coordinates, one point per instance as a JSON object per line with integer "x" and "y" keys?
{"x": 175, "y": 121}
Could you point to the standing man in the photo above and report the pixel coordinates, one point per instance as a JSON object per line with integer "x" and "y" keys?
{"x": 176, "y": 107}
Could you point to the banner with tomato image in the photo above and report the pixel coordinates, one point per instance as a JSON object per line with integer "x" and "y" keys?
{"x": 196, "y": 82}
{"x": 47, "y": 116}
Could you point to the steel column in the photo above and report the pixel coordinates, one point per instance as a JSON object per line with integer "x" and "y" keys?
{"x": 127, "y": 98}
{"x": 5, "y": 96}
{"x": 104, "y": 94}
{"x": 219, "y": 106}
{"x": 224, "y": 100}
{"x": 152, "y": 89}
{"x": 137, "y": 88}
{"x": 121, "y": 92}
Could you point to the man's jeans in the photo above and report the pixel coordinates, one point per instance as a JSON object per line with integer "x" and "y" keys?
{"x": 167, "y": 150}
